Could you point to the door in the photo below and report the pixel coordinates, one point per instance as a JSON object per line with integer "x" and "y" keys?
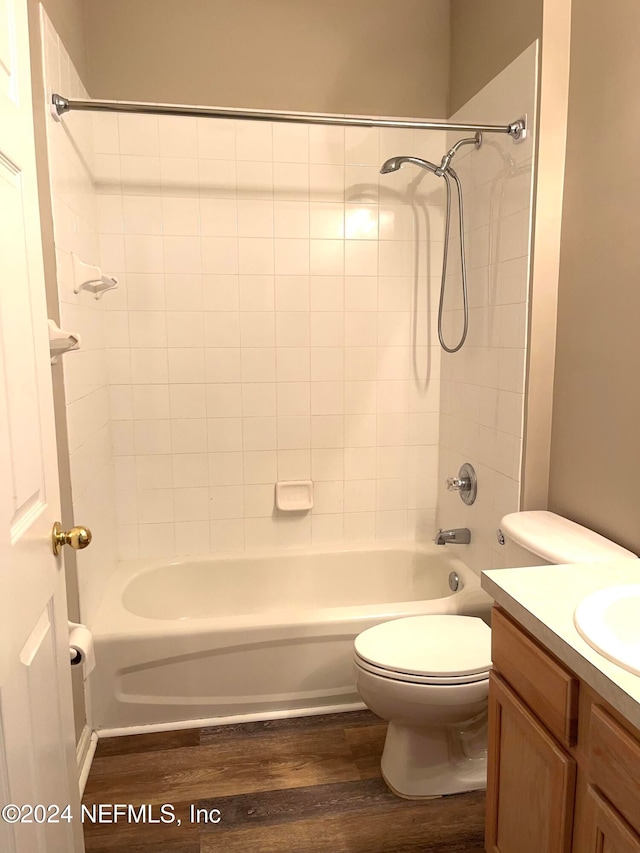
{"x": 37, "y": 751}
{"x": 604, "y": 830}
{"x": 531, "y": 780}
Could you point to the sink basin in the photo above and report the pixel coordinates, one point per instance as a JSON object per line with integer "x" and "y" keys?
{"x": 609, "y": 620}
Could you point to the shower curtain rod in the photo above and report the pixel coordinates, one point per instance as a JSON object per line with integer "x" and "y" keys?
{"x": 62, "y": 105}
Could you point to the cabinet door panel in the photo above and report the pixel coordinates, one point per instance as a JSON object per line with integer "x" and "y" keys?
{"x": 606, "y": 831}
{"x": 531, "y": 781}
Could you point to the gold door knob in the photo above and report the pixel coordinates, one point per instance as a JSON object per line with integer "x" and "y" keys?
{"x": 77, "y": 538}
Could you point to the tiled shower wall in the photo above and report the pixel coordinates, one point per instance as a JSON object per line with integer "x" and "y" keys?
{"x": 70, "y": 150}
{"x": 482, "y": 401}
{"x": 263, "y": 331}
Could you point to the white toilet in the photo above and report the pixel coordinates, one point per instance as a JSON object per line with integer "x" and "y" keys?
{"x": 429, "y": 675}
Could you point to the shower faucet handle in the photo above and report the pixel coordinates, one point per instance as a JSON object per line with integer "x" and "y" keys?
{"x": 458, "y": 484}
{"x": 465, "y": 483}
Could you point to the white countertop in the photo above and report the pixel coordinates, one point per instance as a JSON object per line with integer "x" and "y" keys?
{"x": 543, "y": 599}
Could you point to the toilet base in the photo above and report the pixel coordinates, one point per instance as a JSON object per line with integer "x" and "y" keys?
{"x": 421, "y": 763}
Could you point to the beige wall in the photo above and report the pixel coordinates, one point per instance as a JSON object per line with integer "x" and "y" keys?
{"x": 595, "y": 464}
{"x": 355, "y": 56}
{"x": 486, "y": 35}
{"x": 68, "y": 17}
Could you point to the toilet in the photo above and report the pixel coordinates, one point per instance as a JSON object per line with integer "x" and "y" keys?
{"x": 429, "y": 675}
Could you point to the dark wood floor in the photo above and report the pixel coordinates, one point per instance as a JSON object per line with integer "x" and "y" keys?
{"x": 305, "y": 785}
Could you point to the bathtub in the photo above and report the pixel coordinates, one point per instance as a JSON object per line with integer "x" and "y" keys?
{"x": 255, "y": 636}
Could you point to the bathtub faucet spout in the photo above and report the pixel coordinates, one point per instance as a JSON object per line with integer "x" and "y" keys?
{"x": 457, "y": 536}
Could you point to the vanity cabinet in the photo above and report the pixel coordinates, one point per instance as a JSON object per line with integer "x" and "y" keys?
{"x": 563, "y": 767}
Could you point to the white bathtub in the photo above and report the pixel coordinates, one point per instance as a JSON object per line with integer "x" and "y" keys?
{"x": 199, "y": 639}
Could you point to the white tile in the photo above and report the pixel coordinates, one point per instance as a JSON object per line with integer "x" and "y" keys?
{"x": 227, "y": 535}
{"x": 326, "y": 220}
{"x": 260, "y": 533}
{"x": 216, "y": 139}
{"x": 192, "y": 537}
{"x": 185, "y": 329}
{"x": 145, "y": 292}
{"x": 188, "y": 435}
{"x": 327, "y": 364}
{"x": 291, "y": 181}
{"x": 224, "y": 434}
{"x": 391, "y": 525}
{"x": 360, "y": 430}
{"x": 186, "y": 364}
{"x": 110, "y": 214}
{"x": 328, "y": 497}
{"x": 143, "y": 254}
{"x": 190, "y": 470}
{"x": 183, "y": 292}
{"x": 224, "y": 400}
{"x": 327, "y": 293}
{"x": 392, "y": 461}
{"x": 256, "y": 293}
{"x": 153, "y": 472}
{"x": 361, "y": 257}
{"x": 147, "y": 328}
{"x": 359, "y": 526}
{"x": 293, "y": 364}
{"x": 292, "y": 328}
{"x": 327, "y": 464}
{"x": 225, "y": 469}
{"x": 362, "y": 146}
{"x": 258, "y": 364}
{"x": 292, "y": 293}
{"x": 326, "y": 182}
{"x": 218, "y": 217}
{"x": 226, "y": 502}
{"x": 122, "y": 440}
{"x": 359, "y": 495}
{"x": 327, "y": 328}
{"x": 117, "y": 329}
{"x": 178, "y": 136}
{"x": 222, "y": 328}
{"x": 150, "y": 402}
{"x": 326, "y": 257}
{"x": 361, "y": 222}
{"x": 138, "y": 134}
{"x": 326, "y": 144}
{"x": 293, "y": 399}
{"x": 391, "y": 494}
{"x": 291, "y": 219}
{"x": 191, "y": 504}
{"x": 255, "y": 180}
{"x": 260, "y": 466}
{"x": 255, "y": 218}
{"x": 222, "y": 364}
{"x": 180, "y": 175}
{"x": 154, "y": 505}
{"x": 259, "y": 434}
{"x": 327, "y": 529}
{"x": 293, "y": 433}
{"x": 142, "y": 215}
{"x": 254, "y": 140}
{"x": 180, "y": 216}
{"x": 152, "y": 436}
{"x": 257, "y": 329}
{"x": 187, "y": 401}
{"x": 139, "y": 175}
{"x": 327, "y": 398}
{"x": 258, "y": 500}
{"x": 149, "y": 366}
{"x": 360, "y": 329}
{"x": 156, "y": 540}
{"x": 182, "y": 255}
{"x": 360, "y": 463}
{"x": 259, "y": 399}
{"x": 217, "y": 178}
{"x": 294, "y": 464}
{"x": 361, "y": 293}
{"x": 219, "y": 255}
{"x": 291, "y": 256}
{"x": 293, "y": 531}
{"x": 290, "y": 143}
{"x": 327, "y": 431}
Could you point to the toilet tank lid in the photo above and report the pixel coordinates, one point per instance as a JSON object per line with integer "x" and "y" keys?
{"x": 558, "y": 540}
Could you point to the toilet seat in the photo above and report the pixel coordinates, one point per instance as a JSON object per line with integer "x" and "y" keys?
{"x": 439, "y": 649}
{"x": 410, "y": 678}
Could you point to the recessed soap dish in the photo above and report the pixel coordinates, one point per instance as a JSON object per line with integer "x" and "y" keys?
{"x": 294, "y": 495}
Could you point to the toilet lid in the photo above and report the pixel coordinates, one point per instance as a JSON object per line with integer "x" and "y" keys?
{"x": 428, "y": 645}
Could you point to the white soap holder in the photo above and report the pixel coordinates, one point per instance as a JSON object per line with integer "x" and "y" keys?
{"x": 91, "y": 278}
{"x": 294, "y": 495}
{"x": 61, "y": 341}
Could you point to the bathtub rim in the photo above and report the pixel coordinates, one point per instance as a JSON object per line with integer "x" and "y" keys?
{"x": 113, "y": 619}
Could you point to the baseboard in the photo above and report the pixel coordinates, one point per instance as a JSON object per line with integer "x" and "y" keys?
{"x": 85, "y": 750}
{"x": 234, "y": 719}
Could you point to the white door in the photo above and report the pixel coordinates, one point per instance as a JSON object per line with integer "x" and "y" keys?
{"x": 37, "y": 751}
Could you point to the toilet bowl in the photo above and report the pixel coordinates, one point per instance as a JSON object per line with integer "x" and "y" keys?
{"x": 429, "y": 675}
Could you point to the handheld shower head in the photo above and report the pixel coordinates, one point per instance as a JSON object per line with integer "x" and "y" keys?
{"x": 394, "y": 163}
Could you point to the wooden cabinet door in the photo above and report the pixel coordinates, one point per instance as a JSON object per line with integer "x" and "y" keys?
{"x": 604, "y": 831}
{"x": 531, "y": 780}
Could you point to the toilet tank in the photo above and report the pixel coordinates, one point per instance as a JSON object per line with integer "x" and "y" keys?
{"x": 541, "y": 538}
